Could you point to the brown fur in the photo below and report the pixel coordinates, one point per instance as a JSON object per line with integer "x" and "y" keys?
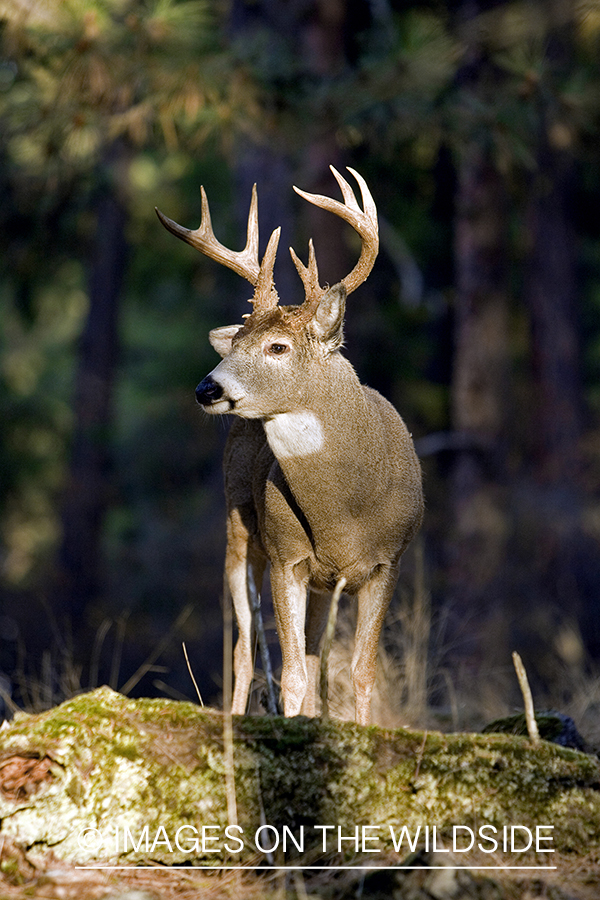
{"x": 348, "y": 509}
{"x": 321, "y": 476}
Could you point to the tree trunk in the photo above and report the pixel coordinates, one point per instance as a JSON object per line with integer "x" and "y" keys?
{"x": 560, "y": 555}
{"x": 479, "y": 414}
{"x": 87, "y": 492}
{"x": 313, "y": 34}
{"x": 552, "y": 297}
{"x": 479, "y": 406}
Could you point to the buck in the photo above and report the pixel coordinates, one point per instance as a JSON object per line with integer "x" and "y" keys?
{"x": 321, "y": 476}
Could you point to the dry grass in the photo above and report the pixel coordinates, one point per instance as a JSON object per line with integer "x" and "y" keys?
{"x": 413, "y": 687}
{"x": 402, "y": 684}
{"x": 573, "y": 878}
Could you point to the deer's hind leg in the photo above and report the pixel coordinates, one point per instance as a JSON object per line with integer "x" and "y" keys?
{"x": 243, "y": 561}
{"x": 374, "y": 598}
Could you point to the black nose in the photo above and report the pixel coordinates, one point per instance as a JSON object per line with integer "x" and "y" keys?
{"x": 208, "y": 391}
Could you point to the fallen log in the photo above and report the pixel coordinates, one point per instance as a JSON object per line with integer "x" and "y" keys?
{"x": 105, "y": 780}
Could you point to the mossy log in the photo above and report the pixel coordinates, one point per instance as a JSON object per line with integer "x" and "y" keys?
{"x": 105, "y": 779}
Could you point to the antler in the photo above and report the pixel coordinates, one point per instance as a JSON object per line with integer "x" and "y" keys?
{"x": 363, "y": 221}
{"x": 244, "y": 262}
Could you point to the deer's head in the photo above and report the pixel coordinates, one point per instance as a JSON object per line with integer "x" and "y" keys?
{"x": 270, "y": 362}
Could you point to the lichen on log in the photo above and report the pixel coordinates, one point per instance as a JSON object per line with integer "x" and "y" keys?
{"x": 105, "y": 779}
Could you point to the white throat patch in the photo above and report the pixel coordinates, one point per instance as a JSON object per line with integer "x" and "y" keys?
{"x": 294, "y": 434}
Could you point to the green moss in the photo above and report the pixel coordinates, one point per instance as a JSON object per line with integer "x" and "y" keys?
{"x": 147, "y": 768}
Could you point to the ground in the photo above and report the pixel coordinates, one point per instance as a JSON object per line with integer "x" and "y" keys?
{"x": 143, "y": 788}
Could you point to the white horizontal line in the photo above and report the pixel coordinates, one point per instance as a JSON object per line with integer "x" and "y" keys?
{"x": 398, "y": 868}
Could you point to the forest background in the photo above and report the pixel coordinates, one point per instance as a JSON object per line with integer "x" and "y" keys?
{"x": 476, "y": 126}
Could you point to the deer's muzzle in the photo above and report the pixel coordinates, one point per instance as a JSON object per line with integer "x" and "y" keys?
{"x": 208, "y": 391}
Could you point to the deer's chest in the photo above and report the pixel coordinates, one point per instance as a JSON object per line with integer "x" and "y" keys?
{"x": 294, "y": 435}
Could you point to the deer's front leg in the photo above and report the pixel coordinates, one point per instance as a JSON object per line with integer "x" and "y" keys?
{"x": 317, "y": 613}
{"x": 373, "y": 601}
{"x": 242, "y": 561}
{"x": 288, "y": 587}
{"x": 288, "y": 547}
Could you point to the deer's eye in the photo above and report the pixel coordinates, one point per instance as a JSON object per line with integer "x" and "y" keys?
{"x": 277, "y": 349}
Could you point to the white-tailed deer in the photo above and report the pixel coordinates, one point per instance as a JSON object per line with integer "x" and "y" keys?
{"x": 321, "y": 476}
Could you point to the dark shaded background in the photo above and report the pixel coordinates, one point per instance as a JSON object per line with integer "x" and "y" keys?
{"x": 476, "y": 127}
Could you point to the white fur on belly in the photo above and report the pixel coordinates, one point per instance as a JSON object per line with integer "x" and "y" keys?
{"x": 294, "y": 434}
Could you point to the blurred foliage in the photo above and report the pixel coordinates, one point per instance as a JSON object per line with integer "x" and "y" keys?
{"x": 81, "y": 73}
{"x": 183, "y": 86}
{"x": 76, "y": 77}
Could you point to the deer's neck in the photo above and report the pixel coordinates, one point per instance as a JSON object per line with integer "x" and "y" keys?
{"x": 329, "y": 448}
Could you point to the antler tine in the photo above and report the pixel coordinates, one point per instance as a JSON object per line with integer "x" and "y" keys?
{"x": 309, "y": 274}
{"x": 364, "y": 221}
{"x": 244, "y": 262}
{"x": 265, "y": 295}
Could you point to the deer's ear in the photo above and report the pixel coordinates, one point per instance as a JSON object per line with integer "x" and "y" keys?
{"x": 328, "y": 321}
{"x": 221, "y": 338}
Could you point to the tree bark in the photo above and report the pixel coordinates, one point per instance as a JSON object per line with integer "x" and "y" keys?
{"x": 477, "y": 542}
{"x": 560, "y": 555}
{"x": 479, "y": 407}
{"x": 87, "y": 493}
{"x": 552, "y": 299}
